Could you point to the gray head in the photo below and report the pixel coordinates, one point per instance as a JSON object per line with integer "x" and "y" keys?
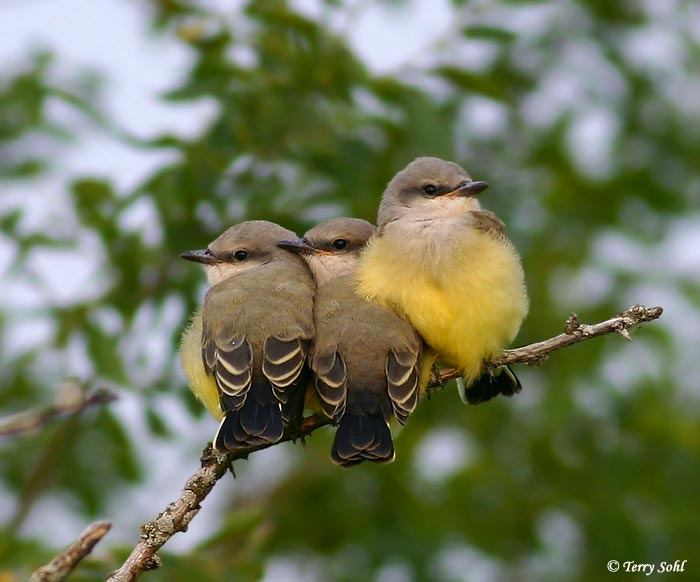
{"x": 331, "y": 249}
{"x": 241, "y": 248}
{"x": 429, "y": 188}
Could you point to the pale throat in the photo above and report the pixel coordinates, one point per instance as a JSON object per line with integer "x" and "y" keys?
{"x": 325, "y": 268}
{"x": 436, "y": 216}
{"x": 219, "y": 272}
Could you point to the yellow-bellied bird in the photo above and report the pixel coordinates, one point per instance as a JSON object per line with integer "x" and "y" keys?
{"x": 244, "y": 353}
{"x": 366, "y": 358}
{"x": 448, "y": 267}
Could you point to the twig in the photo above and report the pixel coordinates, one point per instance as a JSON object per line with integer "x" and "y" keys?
{"x": 63, "y": 564}
{"x": 178, "y": 514}
{"x": 71, "y": 399}
{"x": 574, "y": 332}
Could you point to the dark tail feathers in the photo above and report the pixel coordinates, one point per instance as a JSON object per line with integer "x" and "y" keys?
{"x": 491, "y": 384}
{"x": 361, "y": 437}
{"x": 258, "y": 421}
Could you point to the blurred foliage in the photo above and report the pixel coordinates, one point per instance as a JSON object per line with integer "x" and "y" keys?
{"x": 598, "y": 459}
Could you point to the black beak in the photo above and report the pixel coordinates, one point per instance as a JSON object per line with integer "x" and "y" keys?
{"x": 299, "y": 246}
{"x": 202, "y": 256}
{"x": 469, "y": 189}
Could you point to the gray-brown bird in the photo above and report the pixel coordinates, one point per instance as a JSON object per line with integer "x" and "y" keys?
{"x": 245, "y": 352}
{"x": 366, "y": 358}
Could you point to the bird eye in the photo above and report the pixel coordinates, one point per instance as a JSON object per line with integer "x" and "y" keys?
{"x": 430, "y": 189}
{"x": 339, "y": 243}
{"x": 240, "y": 255}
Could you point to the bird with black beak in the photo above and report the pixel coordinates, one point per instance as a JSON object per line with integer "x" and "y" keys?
{"x": 447, "y": 266}
{"x": 245, "y": 351}
{"x": 367, "y": 360}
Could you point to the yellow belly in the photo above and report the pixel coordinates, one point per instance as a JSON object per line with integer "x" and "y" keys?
{"x": 202, "y": 385}
{"x": 467, "y": 298}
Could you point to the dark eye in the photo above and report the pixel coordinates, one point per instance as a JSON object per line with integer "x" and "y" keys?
{"x": 339, "y": 243}
{"x": 430, "y": 189}
{"x": 240, "y": 255}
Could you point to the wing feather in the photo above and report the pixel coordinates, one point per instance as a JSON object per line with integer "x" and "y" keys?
{"x": 283, "y": 361}
{"x": 231, "y": 363}
{"x": 331, "y": 381}
{"x": 403, "y": 377}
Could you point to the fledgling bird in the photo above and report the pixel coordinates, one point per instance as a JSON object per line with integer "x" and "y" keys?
{"x": 448, "y": 267}
{"x": 366, "y": 358}
{"x": 244, "y": 353}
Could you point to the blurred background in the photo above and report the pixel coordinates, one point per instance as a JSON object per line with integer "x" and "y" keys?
{"x": 132, "y": 131}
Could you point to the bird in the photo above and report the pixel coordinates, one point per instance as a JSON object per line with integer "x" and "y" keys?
{"x": 245, "y": 351}
{"x": 367, "y": 359}
{"x": 446, "y": 264}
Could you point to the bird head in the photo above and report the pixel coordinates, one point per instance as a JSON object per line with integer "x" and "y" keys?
{"x": 240, "y": 249}
{"x": 429, "y": 188}
{"x": 332, "y": 248}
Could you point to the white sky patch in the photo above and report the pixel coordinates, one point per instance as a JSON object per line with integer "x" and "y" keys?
{"x": 144, "y": 351}
{"x": 76, "y": 360}
{"x": 474, "y": 55}
{"x": 101, "y": 156}
{"x": 574, "y": 289}
{"x": 623, "y": 377}
{"x": 142, "y": 216}
{"x": 110, "y": 36}
{"x": 387, "y": 36}
{"x": 529, "y": 20}
{"x": 44, "y": 204}
{"x": 324, "y": 211}
{"x": 442, "y": 453}
{"x": 67, "y": 277}
{"x": 560, "y": 540}
{"x": 653, "y": 47}
{"x": 593, "y": 400}
{"x": 614, "y": 249}
{"x": 484, "y": 117}
{"x": 52, "y": 518}
{"x": 394, "y": 572}
{"x": 535, "y": 387}
{"x": 108, "y": 319}
{"x": 550, "y": 100}
{"x": 682, "y": 245}
{"x": 24, "y": 335}
{"x": 291, "y": 567}
{"x": 681, "y": 315}
{"x": 583, "y": 81}
{"x": 462, "y": 562}
{"x": 8, "y": 254}
{"x": 676, "y": 255}
{"x": 590, "y": 141}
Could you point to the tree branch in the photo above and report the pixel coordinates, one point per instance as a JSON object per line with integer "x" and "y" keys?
{"x": 58, "y": 569}
{"x": 71, "y": 399}
{"x": 178, "y": 514}
{"x": 574, "y": 332}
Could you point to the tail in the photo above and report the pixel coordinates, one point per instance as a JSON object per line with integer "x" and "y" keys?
{"x": 363, "y": 432}
{"x": 500, "y": 381}
{"x": 257, "y": 421}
